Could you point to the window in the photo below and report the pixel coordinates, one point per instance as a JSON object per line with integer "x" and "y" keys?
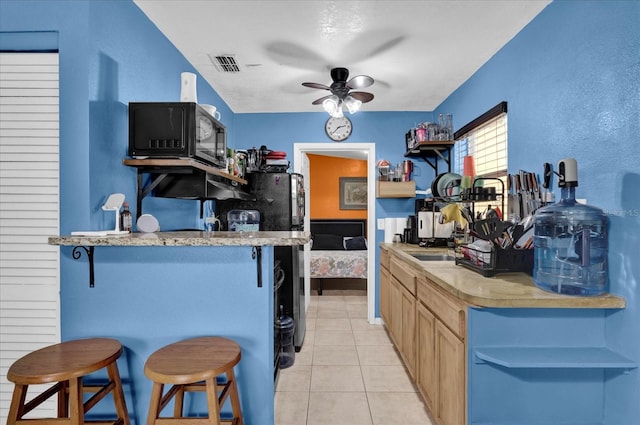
{"x": 485, "y": 138}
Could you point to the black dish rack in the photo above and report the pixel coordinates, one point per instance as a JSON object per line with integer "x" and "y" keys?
{"x": 498, "y": 260}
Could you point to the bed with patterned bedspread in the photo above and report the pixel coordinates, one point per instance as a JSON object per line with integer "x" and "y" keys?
{"x": 339, "y": 250}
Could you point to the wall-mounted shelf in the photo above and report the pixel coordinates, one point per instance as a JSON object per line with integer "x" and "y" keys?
{"x": 185, "y": 178}
{"x": 386, "y": 189}
{"x": 432, "y": 151}
{"x": 553, "y": 357}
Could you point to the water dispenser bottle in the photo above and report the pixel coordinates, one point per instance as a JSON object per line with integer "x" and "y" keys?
{"x": 570, "y": 242}
{"x": 286, "y": 325}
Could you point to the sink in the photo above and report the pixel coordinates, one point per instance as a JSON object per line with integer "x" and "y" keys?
{"x": 433, "y": 257}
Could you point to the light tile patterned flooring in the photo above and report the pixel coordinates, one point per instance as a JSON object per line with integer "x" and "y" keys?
{"x": 348, "y": 372}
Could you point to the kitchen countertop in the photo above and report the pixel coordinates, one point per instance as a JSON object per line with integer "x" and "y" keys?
{"x": 187, "y": 238}
{"x": 505, "y": 290}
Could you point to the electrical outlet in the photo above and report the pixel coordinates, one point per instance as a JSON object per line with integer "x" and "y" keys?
{"x": 381, "y": 224}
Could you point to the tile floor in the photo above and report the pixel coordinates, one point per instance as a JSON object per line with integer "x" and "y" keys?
{"x": 348, "y": 372}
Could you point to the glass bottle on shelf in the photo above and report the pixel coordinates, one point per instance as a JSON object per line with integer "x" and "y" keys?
{"x": 441, "y": 128}
{"x": 449, "y": 127}
{"x": 126, "y": 218}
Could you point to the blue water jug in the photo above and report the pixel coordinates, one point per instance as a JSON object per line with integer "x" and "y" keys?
{"x": 570, "y": 242}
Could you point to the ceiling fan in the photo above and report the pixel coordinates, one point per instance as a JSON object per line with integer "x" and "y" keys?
{"x": 341, "y": 93}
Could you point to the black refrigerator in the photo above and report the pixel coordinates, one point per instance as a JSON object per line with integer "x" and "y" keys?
{"x": 280, "y": 201}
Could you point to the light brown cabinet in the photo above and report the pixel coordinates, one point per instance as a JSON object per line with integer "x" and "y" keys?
{"x": 403, "y": 312}
{"x": 426, "y": 355}
{"x": 395, "y": 313}
{"x": 385, "y": 288}
{"x": 428, "y": 327}
{"x": 442, "y": 352}
{"x": 450, "y": 383}
{"x": 409, "y": 331}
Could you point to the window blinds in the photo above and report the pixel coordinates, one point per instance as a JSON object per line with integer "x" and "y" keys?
{"x": 487, "y": 143}
{"x": 29, "y": 211}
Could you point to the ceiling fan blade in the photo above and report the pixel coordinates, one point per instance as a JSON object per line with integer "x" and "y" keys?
{"x": 316, "y": 86}
{"x": 360, "y": 82}
{"x": 322, "y": 99}
{"x": 362, "y": 96}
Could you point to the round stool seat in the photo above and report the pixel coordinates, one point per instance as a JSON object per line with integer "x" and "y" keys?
{"x": 61, "y": 362}
{"x": 65, "y": 365}
{"x": 192, "y": 360}
{"x": 193, "y": 365}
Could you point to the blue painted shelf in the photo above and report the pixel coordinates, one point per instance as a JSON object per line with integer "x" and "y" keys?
{"x": 553, "y": 357}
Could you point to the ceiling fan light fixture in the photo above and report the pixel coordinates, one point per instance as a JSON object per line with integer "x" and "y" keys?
{"x": 333, "y": 106}
{"x": 352, "y": 104}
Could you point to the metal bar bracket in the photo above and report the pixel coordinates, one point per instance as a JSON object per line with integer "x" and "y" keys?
{"x": 256, "y": 254}
{"x": 76, "y": 254}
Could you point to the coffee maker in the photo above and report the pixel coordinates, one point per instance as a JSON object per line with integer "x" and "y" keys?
{"x": 431, "y": 229}
{"x": 411, "y": 231}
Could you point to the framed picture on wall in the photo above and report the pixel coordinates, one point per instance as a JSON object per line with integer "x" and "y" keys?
{"x": 353, "y": 193}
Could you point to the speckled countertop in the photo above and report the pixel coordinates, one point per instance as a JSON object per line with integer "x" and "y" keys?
{"x": 511, "y": 290}
{"x": 187, "y": 238}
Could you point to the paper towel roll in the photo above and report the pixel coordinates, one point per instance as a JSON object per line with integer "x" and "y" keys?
{"x": 393, "y": 225}
{"x": 389, "y": 229}
{"x": 401, "y": 224}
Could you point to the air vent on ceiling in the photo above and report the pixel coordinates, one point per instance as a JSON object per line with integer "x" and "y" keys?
{"x": 225, "y": 63}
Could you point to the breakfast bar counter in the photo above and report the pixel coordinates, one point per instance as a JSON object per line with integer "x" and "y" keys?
{"x": 185, "y": 238}
{"x": 153, "y": 289}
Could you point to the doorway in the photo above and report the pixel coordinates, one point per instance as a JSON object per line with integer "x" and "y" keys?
{"x": 364, "y": 151}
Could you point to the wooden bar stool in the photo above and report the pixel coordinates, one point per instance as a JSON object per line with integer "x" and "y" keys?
{"x": 66, "y": 364}
{"x": 193, "y": 365}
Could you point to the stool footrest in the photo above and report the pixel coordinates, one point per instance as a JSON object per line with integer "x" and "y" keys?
{"x": 193, "y": 421}
{"x": 41, "y": 398}
{"x": 100, "y": 393}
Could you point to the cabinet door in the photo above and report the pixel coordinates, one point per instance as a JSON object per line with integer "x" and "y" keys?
{"x": 409, "y": 331}
{"x": 385, "y": 283}
{"x": 426, "y": 356}
{"x": 396, "y": 312}
{"x": 451, "y": 371}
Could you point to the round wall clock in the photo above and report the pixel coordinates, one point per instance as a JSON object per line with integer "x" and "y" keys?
{"x": 338, "y": 129}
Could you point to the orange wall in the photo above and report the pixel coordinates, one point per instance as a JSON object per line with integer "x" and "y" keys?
{"x": 324, "y": 185}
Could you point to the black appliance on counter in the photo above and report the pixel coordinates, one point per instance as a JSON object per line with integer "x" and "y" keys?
{"x": 280, "y": 201}
{"x": 176, "y": 130}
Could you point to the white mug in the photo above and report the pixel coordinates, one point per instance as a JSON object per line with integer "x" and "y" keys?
{"x": 211, "y": 110}
{"x": 188, "y": 87}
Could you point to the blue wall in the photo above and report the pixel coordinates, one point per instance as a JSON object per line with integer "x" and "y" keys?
{"x": 572, "y": 82}
{"x": 571, "y": 79}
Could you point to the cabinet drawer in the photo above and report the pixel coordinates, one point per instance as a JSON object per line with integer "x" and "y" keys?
{"x": 405, "y": 275}
{"x": 384, "y": 258}
{"x": 451, "y": 312}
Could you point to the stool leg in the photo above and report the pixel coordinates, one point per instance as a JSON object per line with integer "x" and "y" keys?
{"x": 178, "y": 402}
{"x": 76, "y": 408}
{"x": 118, "y": 393}
{"x": 154, "y": 404}
{"x": 235, "y": 400}
{"x": 212, "y": 401}
{"x": 63, "y": 400}
{"x": 17, "y": 403}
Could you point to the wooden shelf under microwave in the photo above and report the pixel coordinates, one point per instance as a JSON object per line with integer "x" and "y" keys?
{"x": 176, "y": 163}
{"x": 386, "y": 189}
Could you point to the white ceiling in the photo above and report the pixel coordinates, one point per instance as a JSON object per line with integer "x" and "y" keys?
{"x": 418, "y": 52}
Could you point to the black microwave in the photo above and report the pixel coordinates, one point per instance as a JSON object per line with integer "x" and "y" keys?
{"x": 176, "y": 130}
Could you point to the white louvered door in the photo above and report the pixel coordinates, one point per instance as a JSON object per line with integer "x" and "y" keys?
{"x": 29, "y": 211}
